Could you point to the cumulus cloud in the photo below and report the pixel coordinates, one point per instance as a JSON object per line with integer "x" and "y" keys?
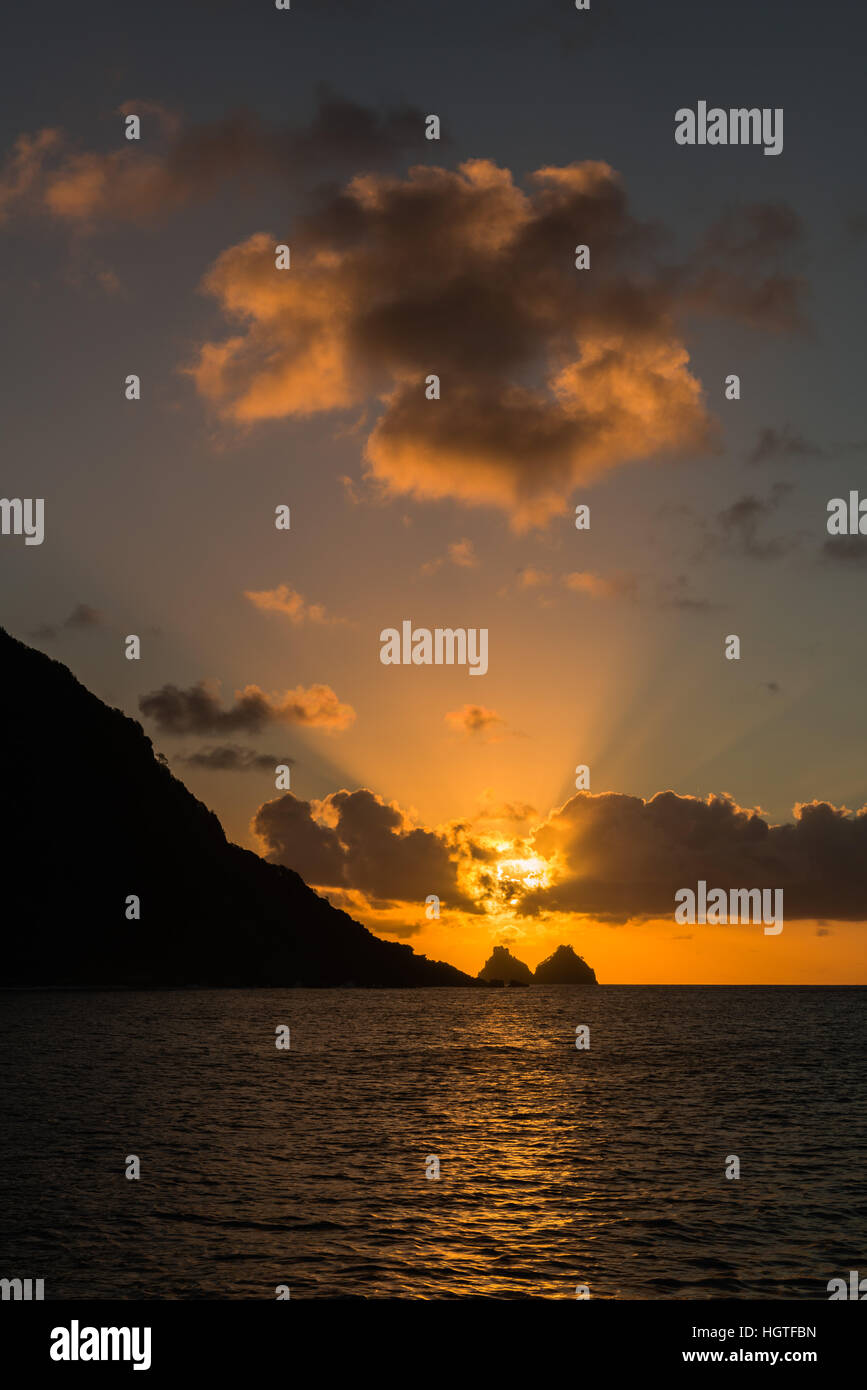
{"x": 45, "y": 174}
{"x": 550, "y": 376}
{"x": 294, "y": 838}
{"x": 229, "y": 757}
{"x": 290, "y": 604}
{"x": 622, "y": 857}
{"x": 612, "y": 857}
{"x": 197, "y": 710}
{"x": 355, "y": 840}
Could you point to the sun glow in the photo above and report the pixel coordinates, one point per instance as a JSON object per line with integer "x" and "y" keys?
{"x": 529, "y": 873}
{"x": 502, "y": 878}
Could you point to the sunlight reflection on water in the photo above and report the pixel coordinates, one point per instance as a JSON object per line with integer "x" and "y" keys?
{"x": 559, "y": 1167}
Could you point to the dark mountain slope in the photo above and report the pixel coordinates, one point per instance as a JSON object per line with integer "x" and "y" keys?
{"x": 93, "y": 817}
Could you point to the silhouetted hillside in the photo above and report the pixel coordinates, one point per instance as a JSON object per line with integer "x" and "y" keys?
{"x": 93, "y": 817}
{"x": 564, "y": 968}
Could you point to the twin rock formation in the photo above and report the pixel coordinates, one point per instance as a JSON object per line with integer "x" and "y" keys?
{"x": 564, "y": 967}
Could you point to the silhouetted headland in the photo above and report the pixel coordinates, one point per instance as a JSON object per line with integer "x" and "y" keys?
{"x": 95, "y": 817}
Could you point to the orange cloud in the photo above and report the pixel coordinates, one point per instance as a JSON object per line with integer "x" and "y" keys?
{"x": 460, "y": 553}
{"x": 290, "y": 604}
{"x": 533, "y": 578}
{"x": 600, "y": 586}
{"x": 22, "y": 172}
{"x": 316, "y": 706}
{"x": 44, "y": 174}
{"x": 550, "y": 376}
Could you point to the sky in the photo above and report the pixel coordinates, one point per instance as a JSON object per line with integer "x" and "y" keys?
{"x": 305, "y": 388}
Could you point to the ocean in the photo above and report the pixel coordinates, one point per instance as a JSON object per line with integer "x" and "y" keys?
{"x": 306, "y": 1168}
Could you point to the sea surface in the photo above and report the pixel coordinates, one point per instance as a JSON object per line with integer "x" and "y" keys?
{"x": 307, "y": 1168}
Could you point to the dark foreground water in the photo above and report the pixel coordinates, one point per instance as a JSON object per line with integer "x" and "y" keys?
{"x": 306, "y": 1168}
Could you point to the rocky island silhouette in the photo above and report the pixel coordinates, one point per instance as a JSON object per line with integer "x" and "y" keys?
{"x": 563, "y": 967}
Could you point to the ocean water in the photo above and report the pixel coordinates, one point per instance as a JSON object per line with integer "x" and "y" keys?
{"x": 559, "y": 1167}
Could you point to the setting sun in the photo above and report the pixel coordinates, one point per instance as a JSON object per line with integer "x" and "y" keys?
{"x": 530, "y": 873}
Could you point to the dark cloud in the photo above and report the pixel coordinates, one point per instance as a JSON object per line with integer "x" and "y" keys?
{"x": 773, "y": 444}
{"x": 741, "y": 269}
{"x": 847, "y": 550}
{"x": 610, "y": 856}
{"x": 197, "y": 710}
{"x": 675, "y": 593}
{"x": 756, "y": 232}
{"x": 739, "y": 528}
{"x": 229, "y": 757}
{"x": 355, "y": 840}
{"x": 475, "y": 719}
{"x": 624, "y": 857}
{"x": 550, "y": 376}
{"x": 82, "y": 616}
{"x": 293, "y": 837}
{"x": 741, "y": 523}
